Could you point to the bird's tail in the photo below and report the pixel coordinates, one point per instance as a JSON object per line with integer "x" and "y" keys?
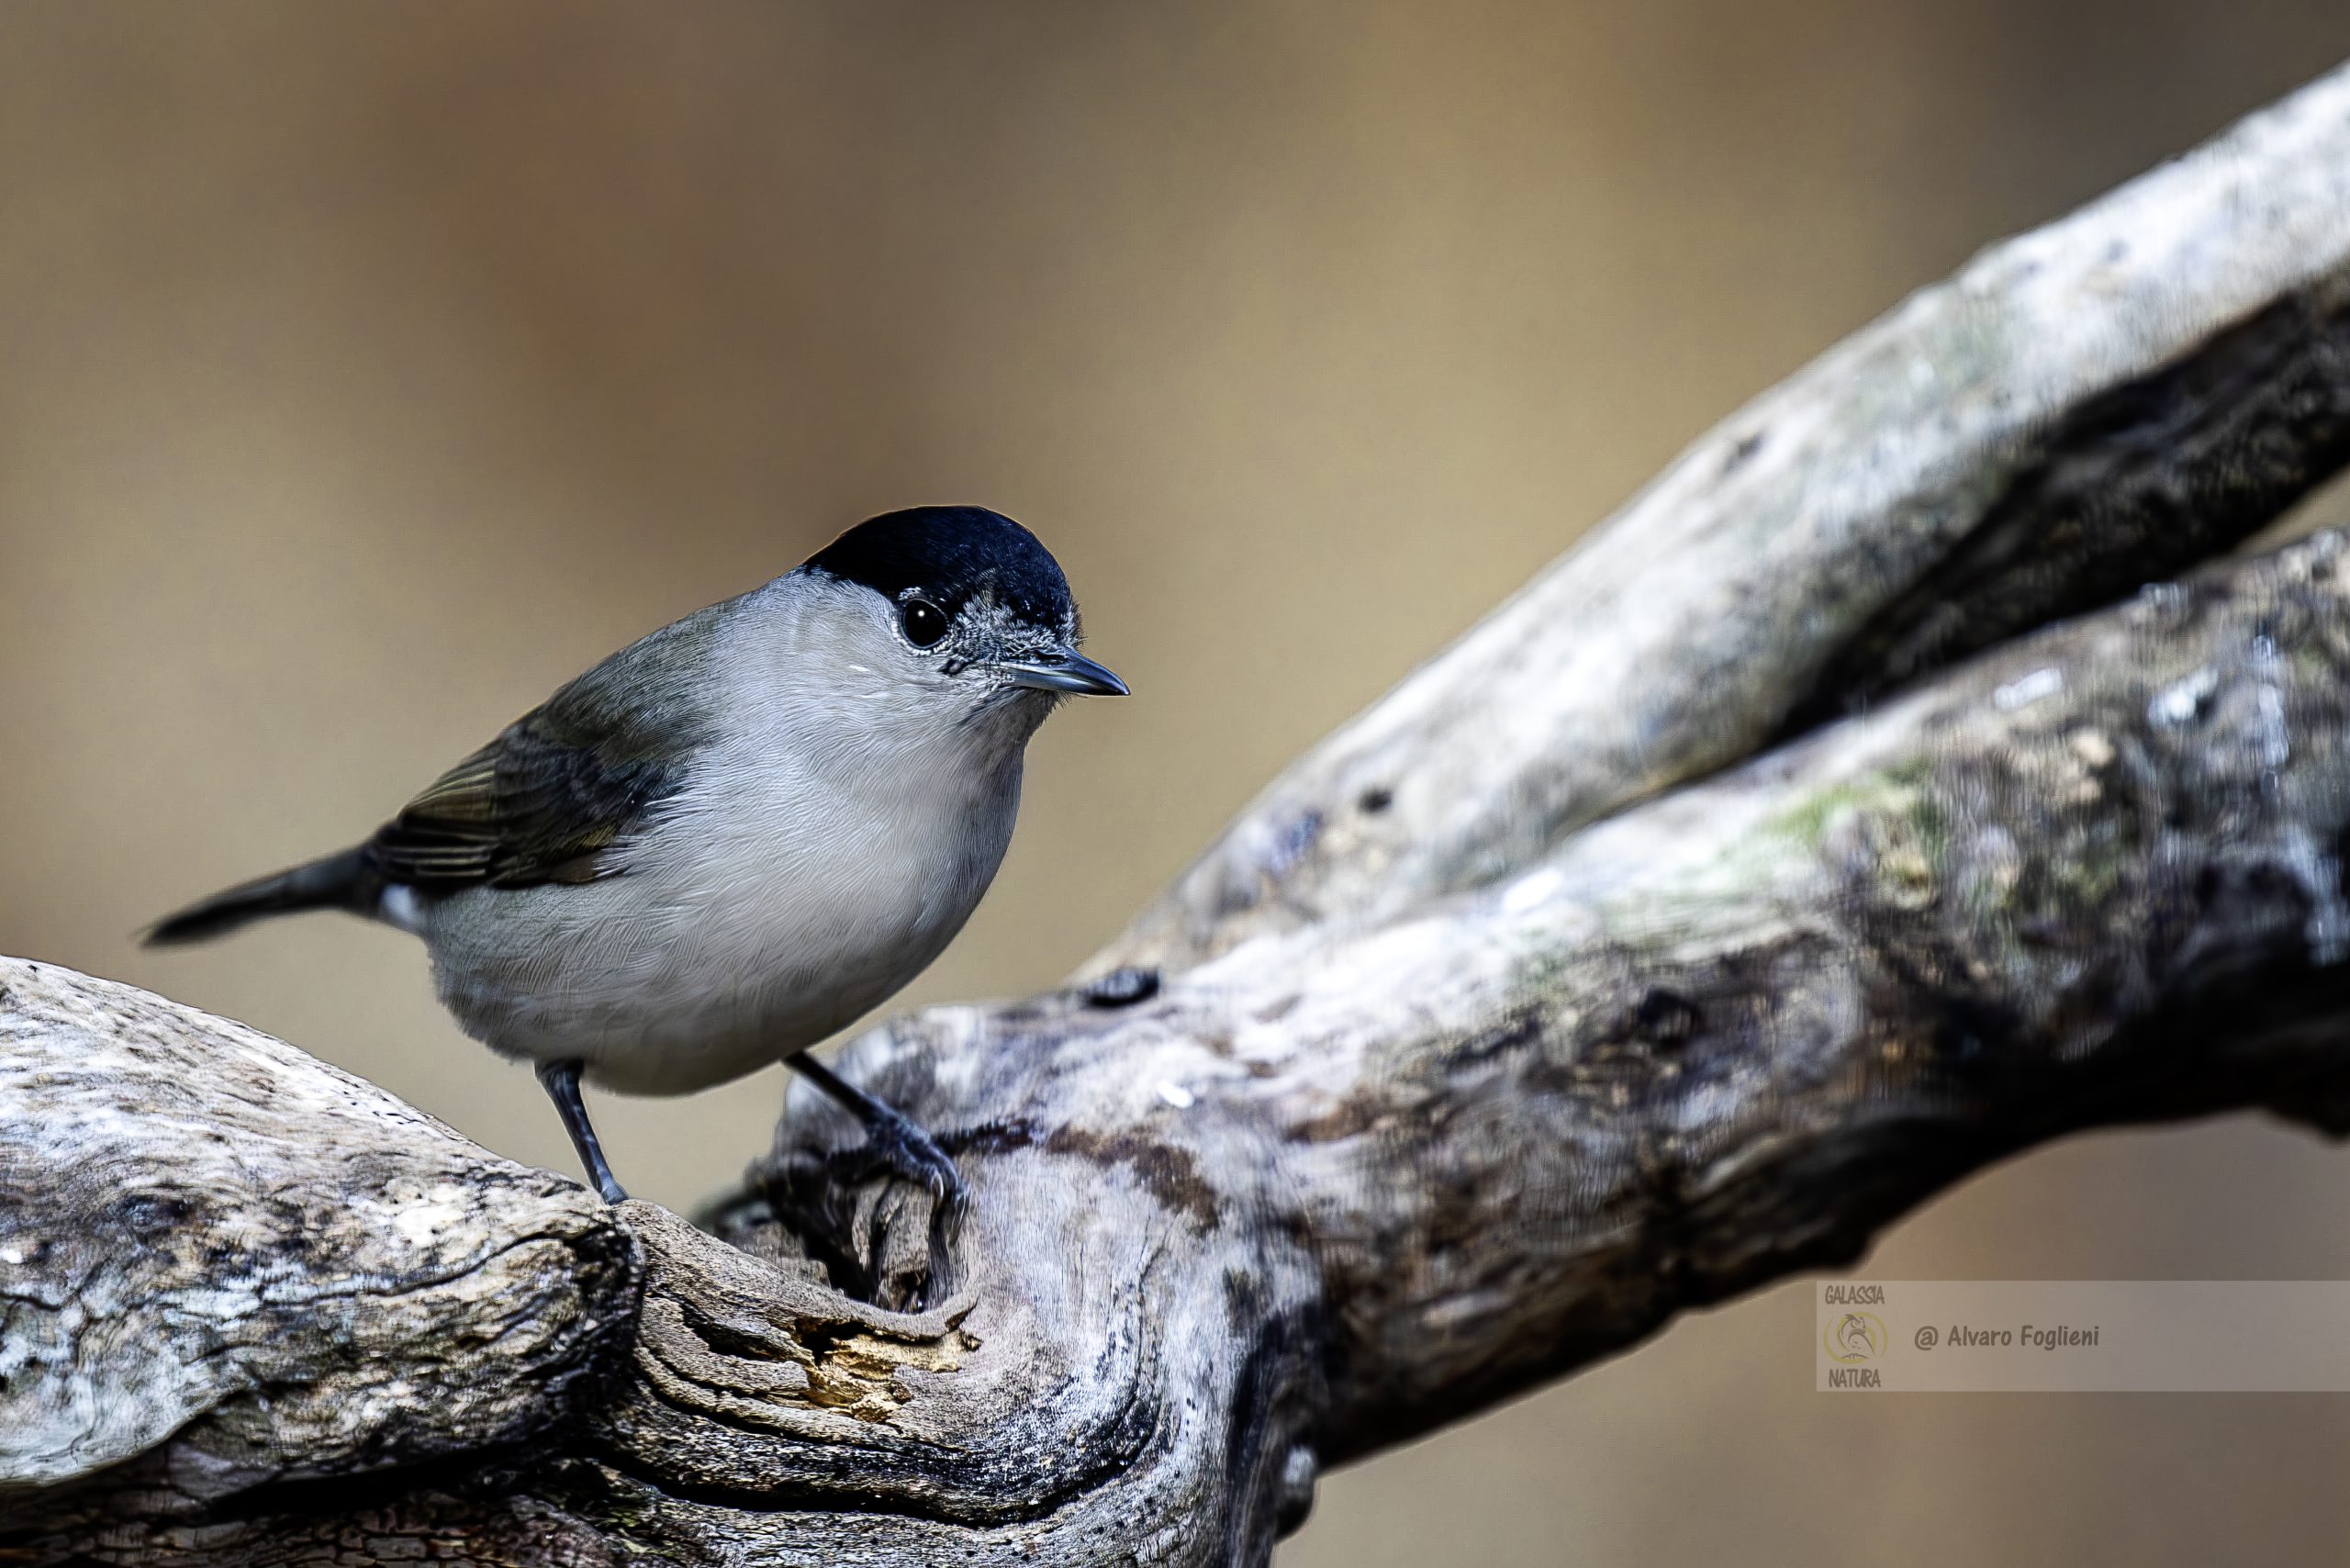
{"x": 344, "y": 881}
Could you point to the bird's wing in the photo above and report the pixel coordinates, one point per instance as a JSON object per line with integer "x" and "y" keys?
{"x": 549, "y": 797}
{"x": 532, "y": 806}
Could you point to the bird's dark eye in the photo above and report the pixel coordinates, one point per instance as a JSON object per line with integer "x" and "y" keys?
{"x": 924, "y": 622}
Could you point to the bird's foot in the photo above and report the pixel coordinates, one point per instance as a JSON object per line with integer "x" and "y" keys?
{"x": 895, "y": 1145}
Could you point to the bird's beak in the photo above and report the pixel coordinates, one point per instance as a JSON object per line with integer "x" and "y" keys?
{"x": 1063, "y": 669}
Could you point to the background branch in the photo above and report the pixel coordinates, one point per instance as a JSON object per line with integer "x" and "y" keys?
{"x": 2095, "y": 405}
{"x": 1449, "y": 1084}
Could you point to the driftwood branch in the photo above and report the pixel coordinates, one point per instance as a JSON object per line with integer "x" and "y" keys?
{"x": 2093, "y": 406}
{"x": 1593, "y": 974}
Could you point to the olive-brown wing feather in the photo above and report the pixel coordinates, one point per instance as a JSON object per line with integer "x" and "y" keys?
{"x": 535, "y": 805}
{"x": 548, "y": 798}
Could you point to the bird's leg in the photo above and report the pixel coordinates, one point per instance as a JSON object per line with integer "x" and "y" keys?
{"x": 889, "y": 1137}
{"x": 894, "y": 1142}
{"x": 561, "y": 1079}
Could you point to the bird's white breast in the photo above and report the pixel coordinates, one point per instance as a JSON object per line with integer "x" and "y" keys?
{"x": 817, "y": 858}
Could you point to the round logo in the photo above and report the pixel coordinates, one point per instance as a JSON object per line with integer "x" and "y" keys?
{"x": 1853, "y": 1337}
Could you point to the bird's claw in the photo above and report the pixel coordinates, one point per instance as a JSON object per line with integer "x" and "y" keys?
{"x": 897, "y": 1145}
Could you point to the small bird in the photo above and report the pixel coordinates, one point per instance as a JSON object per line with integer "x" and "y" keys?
{"x": 732, "y": 838}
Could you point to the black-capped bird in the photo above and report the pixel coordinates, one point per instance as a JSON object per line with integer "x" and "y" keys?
{"x": 730, "y": 839}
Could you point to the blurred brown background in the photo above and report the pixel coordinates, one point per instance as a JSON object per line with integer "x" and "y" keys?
{"x": 366, "y": 369}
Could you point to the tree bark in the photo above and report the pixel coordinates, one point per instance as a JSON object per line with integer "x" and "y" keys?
{"x": 1772, "y": 860}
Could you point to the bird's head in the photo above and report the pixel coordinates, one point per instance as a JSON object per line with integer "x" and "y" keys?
{"x": 952, "y": 616}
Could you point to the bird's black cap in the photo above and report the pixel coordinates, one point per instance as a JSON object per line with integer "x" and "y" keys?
{"x": 950, "y": 555}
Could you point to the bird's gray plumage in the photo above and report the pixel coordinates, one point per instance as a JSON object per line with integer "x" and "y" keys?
{"x": 547, "y": 799}
{"x": 731, "y": 838}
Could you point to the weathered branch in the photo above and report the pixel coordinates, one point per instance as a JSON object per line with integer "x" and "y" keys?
{"x": 2096, "y": 405}
{"x": 1447, "y": 1085}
